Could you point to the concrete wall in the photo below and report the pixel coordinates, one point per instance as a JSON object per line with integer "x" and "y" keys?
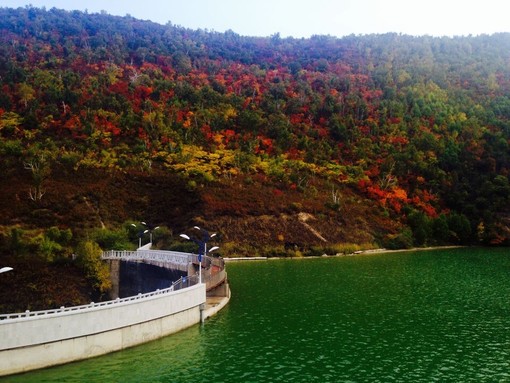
{"x": 114, "y": 266}
{"x": 34, "y": 342}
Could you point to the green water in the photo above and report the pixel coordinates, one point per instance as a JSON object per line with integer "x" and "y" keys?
{"x": 439, "y": 316}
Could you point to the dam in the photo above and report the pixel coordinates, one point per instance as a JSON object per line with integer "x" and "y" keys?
{"x": 33, "y": 340}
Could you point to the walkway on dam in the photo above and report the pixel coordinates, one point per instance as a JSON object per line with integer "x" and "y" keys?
{"x": 214, "y": 304}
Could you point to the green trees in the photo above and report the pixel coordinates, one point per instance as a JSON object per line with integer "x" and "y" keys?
{"x": 50, "y": 245}
{"x": 441, "y": 230}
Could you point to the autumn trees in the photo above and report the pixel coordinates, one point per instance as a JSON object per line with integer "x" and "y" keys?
{"x": 419, "y": 125}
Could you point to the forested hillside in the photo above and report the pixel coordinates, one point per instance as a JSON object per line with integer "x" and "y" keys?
{"x": 279, "y": 144}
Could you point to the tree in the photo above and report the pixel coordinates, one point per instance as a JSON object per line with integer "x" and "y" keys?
{"x": 40, "y": 169}
{"x": 26, "y": 93}
{"x": 440, "y": 229}
{"x": 460, "y": 228}
{"x": 10, "y": 123}
{"x": 88, "y": 256}
{"x": 421, "y": 227}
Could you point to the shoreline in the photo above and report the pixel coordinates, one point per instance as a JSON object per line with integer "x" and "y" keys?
{"x": 356, "y": 253}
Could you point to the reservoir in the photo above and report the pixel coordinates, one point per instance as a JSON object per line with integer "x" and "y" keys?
{"x": 424, "y": 316}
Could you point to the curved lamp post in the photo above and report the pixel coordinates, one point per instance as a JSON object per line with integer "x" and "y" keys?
{"x": 5, "y": 269}
{"x": 140, "y": 235}
{"x": 150, "y": 229}
{"x": 202, "y": 247}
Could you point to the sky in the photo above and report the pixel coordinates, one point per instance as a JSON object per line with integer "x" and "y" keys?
{"x": 304, "y": 18}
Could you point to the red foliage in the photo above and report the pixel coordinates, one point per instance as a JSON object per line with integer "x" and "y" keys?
{"x": 294, "y": 154}
{"x": 73, "y": 123}
{"x": 398, "y": 140}
{"x": 229, "y": 135}
{"x": 296, "y": 118}
{"x": 363, "y": 184}
{"x": 120, "y": 87}
{"x": 377, "y": 193}
{"x": 278, "y": 193}
{"x": 207, "y": 132}
{"x": 246, "y": 102}
{"x": 265, "y": 145}
{"x": 143, "y": 92}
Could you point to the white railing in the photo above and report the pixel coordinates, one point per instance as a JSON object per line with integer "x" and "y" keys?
{"x": 183, "y": 282}
{"x": 173, "y": 257}
{"x": 177, "y": 259}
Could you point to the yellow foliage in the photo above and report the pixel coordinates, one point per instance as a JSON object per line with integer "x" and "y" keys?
{"x": 193, "y": 160}
{"x": 229, "y": 113}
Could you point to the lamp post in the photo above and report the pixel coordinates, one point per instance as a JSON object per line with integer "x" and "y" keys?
{"x": 202, "y": 247}
{"x": 150, "y": 229}
{"x": 140, "y": 235}
{"x": 5, "y": 269}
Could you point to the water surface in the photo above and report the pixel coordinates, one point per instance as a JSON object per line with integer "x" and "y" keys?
{"x": 436, "y": 316}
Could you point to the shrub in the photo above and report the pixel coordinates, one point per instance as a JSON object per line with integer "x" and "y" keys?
{"x": 184, "y": 247}
{"x": 88, "y": 256}
{"x": 421, "y": 227}
{"x": 402, "y": 240}
{"x": 112, "y": 239}
{"x": 162, "y": 238}
{"x": 460, "y": 228}
{"x": 11, "y": 148}
{"x": 275, "y": 251}
{"x": 338, "y": 249}
{"x": 17, "y": 243}
{"x": 440, "y": 230}
{"x": 315, "y": 251}
{"x": 62, "y": 237}
{"x": 47, "y": 248}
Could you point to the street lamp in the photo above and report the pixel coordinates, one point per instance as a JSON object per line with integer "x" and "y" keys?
{"x": 150, "y": 229}
{"x": 139, "y": 235}
{"x": 5, "y": 269}
{"x": 202, "y": 247}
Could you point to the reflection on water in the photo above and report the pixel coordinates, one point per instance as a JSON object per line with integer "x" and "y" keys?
{"x": 406, "y": 317}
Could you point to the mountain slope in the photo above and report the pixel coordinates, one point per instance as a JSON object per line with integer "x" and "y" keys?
{"x": 390, "y": 138}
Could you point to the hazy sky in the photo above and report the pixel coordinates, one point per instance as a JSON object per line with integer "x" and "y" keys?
{"x": 303, "y": 18}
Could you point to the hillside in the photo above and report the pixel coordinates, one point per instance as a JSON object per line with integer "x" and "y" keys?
{"x": 280, "y": 145}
